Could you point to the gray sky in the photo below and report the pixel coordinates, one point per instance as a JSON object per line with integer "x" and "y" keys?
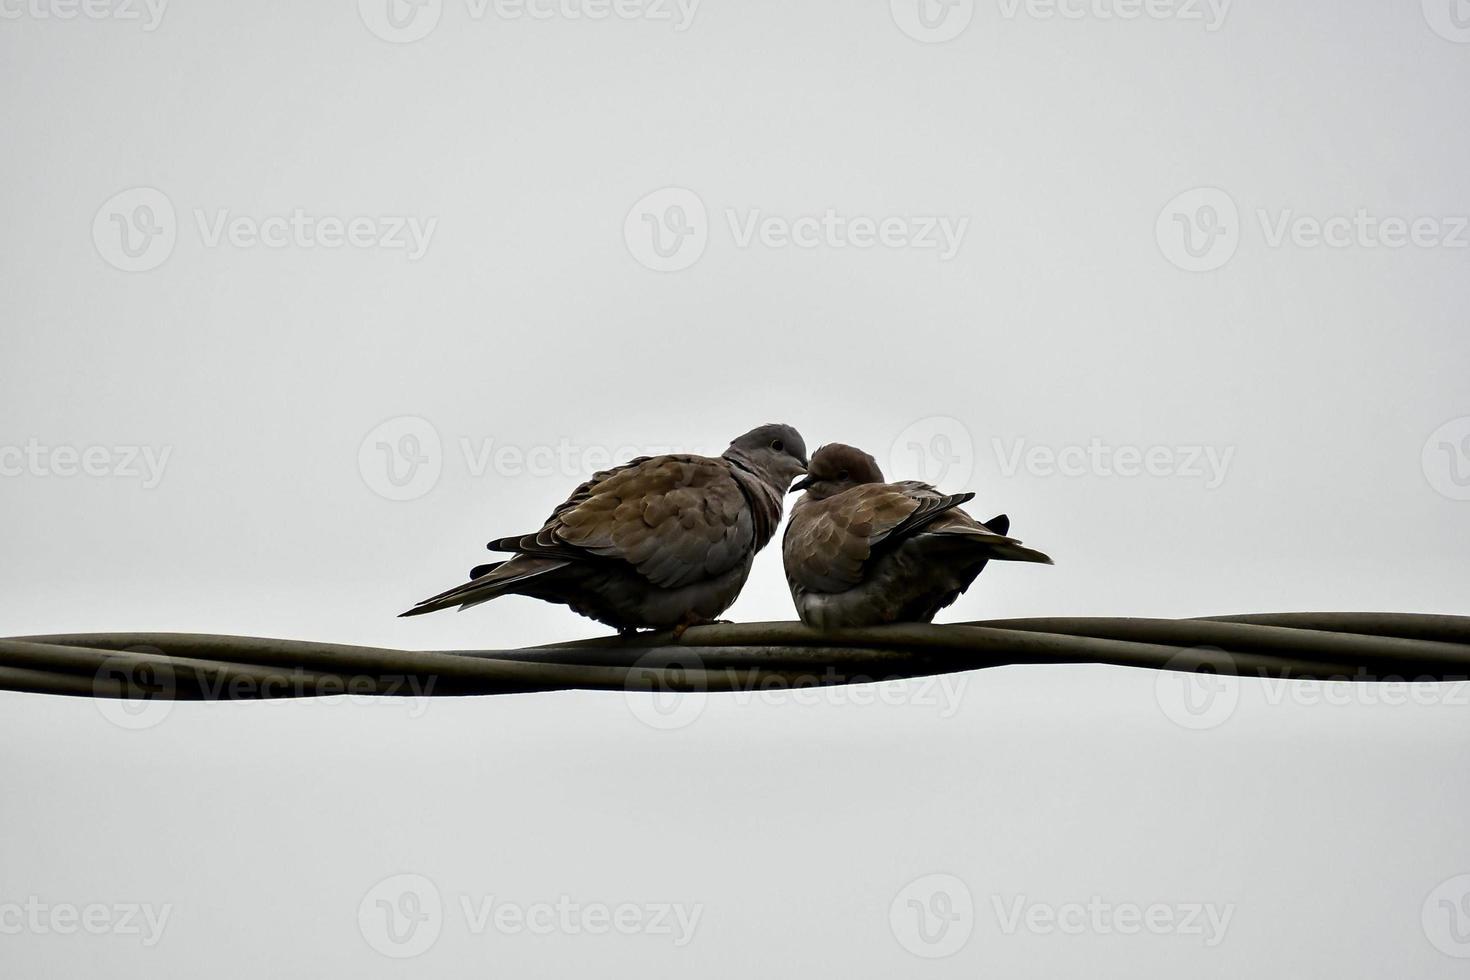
{"x": 303, "y": 303}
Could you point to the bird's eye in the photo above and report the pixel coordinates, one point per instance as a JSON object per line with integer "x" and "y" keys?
{"x": 778, "y": 445}
{"x": 842, "y": 475}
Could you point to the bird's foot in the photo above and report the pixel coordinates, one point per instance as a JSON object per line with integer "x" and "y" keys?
{"x": 691, "y": 619}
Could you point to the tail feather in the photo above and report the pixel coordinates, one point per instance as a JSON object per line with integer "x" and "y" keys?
{"x": 994, "y": 547}
{"x": 488, "y": 582}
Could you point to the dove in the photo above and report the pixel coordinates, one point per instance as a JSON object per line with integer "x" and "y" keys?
{"x": 659, "y": 542}
{"x": 859, "y": 552}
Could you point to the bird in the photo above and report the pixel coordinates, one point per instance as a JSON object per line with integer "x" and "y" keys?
{"x": 660, "y": 542}
{"x": 862, "y": 552}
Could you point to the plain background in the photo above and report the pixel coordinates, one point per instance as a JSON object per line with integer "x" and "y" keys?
{"x": 1329, "y": 374}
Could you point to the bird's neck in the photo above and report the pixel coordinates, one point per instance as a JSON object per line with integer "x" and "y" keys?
{"x": 764, "y": 497}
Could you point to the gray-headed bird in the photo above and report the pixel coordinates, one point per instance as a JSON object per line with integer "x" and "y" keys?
{"x": 659, "y": 542}
{"x": 859, "y": 552}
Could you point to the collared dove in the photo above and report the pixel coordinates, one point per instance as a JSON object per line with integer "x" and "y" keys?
{"x": 859, "y": 552}
{"x": 659, "y": 542}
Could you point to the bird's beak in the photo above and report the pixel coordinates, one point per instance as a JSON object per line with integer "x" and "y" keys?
{"x": 802, "y": 484}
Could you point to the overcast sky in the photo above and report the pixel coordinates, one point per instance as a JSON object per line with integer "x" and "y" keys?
{"x": 303, "y": 303}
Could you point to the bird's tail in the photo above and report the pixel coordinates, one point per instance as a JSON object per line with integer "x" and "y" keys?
{"x": 992, "y": 541}
{"x": 488, "y": 582}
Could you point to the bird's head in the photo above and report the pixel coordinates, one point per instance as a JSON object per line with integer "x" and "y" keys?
{"x": 774, "y": 452}
{"x": 835, "y": 468}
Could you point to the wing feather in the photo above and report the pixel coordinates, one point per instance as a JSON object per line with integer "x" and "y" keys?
{"x": 677, "y": 519}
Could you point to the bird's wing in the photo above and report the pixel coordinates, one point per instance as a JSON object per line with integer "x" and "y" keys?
{"x": 828, "y": 541}
{"x": 677, "y": 519}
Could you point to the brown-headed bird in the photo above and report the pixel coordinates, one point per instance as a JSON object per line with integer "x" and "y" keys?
{"x": 659, "y": 542}
{"x": 860, "y": 552}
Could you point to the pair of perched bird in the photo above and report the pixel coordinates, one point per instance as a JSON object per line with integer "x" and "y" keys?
{"x": 668, "y": 541}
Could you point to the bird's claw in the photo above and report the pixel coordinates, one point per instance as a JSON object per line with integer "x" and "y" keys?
{"x": 693, "y": 620}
